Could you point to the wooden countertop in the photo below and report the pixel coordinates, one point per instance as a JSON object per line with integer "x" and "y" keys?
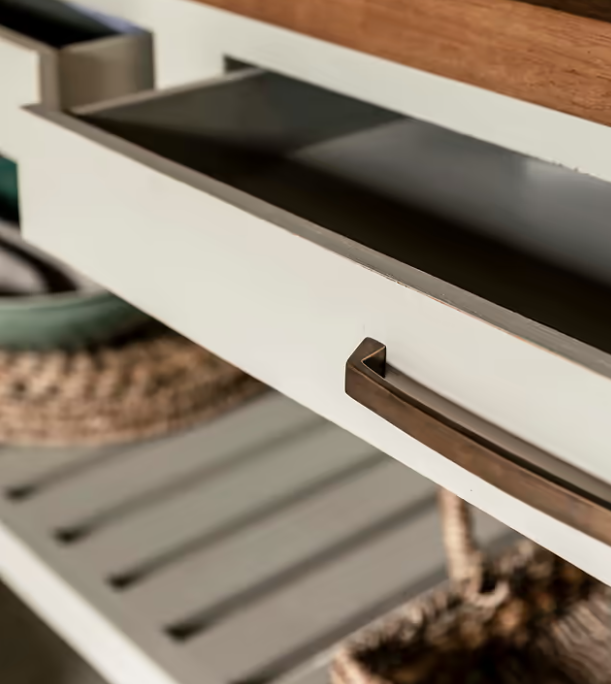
{"x": 555, "y": 53}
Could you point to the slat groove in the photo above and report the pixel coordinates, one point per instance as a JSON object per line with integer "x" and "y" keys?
{"x": 288, "y": 661}
{"x": 124, "y": 579}
{"x": 199, "y": 622}
{"x": 70, "y": 534}
{"x": 25, "y": 490}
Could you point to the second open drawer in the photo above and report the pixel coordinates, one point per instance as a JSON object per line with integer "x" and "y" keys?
{"x": 56, "y": 54}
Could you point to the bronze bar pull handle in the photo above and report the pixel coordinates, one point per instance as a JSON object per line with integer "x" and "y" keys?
{"x": 514, "y": 466}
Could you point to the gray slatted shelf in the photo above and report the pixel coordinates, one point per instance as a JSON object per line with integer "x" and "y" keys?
{"x": 240, "y": 551}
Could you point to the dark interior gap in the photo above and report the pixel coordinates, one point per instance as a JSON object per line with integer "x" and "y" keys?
{"x": 51, "y": 22}
{"x": 592, "y": 9}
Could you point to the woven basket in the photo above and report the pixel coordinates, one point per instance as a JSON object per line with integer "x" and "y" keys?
{"x": 526, "y": 616}
{"x": 148, "y": 385}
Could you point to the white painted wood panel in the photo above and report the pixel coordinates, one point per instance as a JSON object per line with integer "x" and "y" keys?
{"x": 20, "y": 77}
{"x": 290, "y": 310}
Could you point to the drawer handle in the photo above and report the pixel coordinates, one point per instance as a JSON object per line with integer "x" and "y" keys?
{"x": 501, "y": 459}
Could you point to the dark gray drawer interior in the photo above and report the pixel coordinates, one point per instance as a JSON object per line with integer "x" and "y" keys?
{"x": 525, "y": 235}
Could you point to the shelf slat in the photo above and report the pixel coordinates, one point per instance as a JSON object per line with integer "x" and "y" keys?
{"x": 255, "y": 566}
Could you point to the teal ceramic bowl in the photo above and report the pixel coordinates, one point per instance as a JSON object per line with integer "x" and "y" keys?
{"x": 84, "y": 316}
{"x": 9, "y": 200}
{"x": 66, "y": 321}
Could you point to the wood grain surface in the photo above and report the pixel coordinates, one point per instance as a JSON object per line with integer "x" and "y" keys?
{"x": 555, "y": 53}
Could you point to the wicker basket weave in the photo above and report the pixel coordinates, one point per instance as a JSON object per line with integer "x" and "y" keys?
{"x": 141, "y": 387}
{"x": 527, "y": 616}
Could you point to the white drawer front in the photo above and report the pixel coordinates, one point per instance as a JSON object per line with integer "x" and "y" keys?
{"x": 21, "y": 85}
{"x": 38, "y": 67}
{"x": 288, "y": 301}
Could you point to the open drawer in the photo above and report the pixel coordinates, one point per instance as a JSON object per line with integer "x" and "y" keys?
{"x": 51, "y": 52}
{"x": 279, "y": 224}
